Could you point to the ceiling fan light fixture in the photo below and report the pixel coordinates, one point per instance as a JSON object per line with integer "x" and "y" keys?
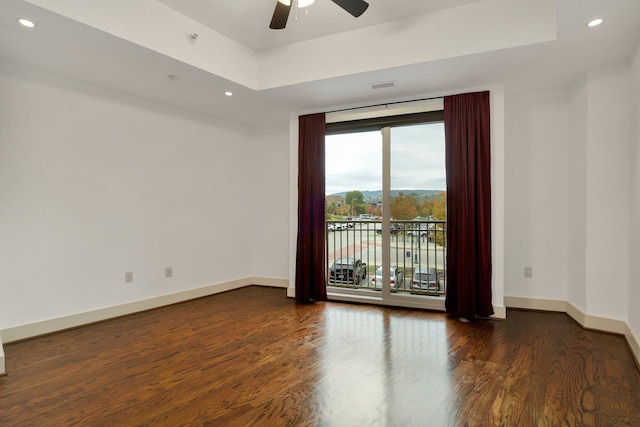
{"x": 283, "y": 8}
{"x": 301, "y": 3}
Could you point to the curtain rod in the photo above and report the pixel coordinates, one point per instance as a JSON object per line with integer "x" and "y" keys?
{"x": 386, "y": 104}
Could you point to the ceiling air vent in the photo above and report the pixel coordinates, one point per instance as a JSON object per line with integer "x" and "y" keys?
{"x": 383, "y": 85}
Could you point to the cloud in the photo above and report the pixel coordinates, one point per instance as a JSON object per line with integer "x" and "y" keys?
{"x": 354, "y": 161}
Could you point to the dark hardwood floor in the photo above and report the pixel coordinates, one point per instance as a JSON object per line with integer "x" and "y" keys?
{"x": 253, "y": 357}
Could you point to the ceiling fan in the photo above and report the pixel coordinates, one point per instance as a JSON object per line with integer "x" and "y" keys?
{"x": 281, "y": 13}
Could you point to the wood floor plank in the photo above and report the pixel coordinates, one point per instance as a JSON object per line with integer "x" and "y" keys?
{"x": 253, "y": 357}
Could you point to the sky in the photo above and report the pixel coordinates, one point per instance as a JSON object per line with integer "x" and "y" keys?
{"x": 354, "y": 161}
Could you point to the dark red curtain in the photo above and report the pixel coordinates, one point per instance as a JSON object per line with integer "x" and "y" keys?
{"x": 468, "y": 158}
{"x": 310, "y": 274}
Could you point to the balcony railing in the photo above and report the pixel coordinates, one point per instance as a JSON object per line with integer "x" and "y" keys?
{"x": 418, "y": 256}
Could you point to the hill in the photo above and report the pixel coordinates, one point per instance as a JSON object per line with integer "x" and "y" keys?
{"x": 377, "y": 194}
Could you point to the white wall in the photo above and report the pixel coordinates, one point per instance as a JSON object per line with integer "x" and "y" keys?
{"x": 634, "y": 240}
{"x": 536, "y": 195}
{"x": 577, "y": 197}
{"x": 95, "y": 183}
{"x": 607, "y": 183}
{"x": 567, "y": 194}
{"x": 269, "y": 196}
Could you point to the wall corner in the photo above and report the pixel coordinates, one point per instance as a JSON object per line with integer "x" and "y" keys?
{"x": 291, "y": 292}
{"x": 634, "y": 343}
{"x": 2, "y": 365}
{"x": 499, "y": 312}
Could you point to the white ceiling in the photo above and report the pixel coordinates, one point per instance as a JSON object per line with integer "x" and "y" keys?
{"x": 247, "y": 21}
{"x": 127, "y": 58}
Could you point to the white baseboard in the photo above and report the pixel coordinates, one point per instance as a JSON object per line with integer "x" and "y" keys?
{"x": 2, "y": 366}
{"x": 605, "y": 324}
{"x": 577, "y": 314}
{"x": 634, "y": 343}
{"x": 585, "y": 320}
{"x": 536, "y": 304}
{"x": 499, "y": 312}
{"x": 269, "y": 281}
{"x": 30, "y": 330}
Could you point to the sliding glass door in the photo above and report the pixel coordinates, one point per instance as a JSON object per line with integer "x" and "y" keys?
{"x": 386, "y": 213}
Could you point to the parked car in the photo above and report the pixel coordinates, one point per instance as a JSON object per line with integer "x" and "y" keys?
{"x": 425, "y": 279}
{"x": 347, "y": 271}
{"x": 337, "y": 226}
{"x": 396, "y": 278}
{"x": 421, "y": 230}
{"x": 393, "y": 228}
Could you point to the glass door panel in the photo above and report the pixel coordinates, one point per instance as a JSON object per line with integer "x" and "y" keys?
{"x": 418, "y": 208}
{"x": 353, "y": 209}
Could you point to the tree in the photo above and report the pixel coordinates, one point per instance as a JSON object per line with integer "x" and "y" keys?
{"x": 425, "y": 208}
{"x": 351, "y": 195}
{"x": 374, "y": 210}
{"x": 404, "y": 207}
{"x": 440, "y": 207}
{"x": 440, "y": 213}
{"x": 343, "y": 210}
{"x": 331, "y": 209}
{"x": 355, "y": 201}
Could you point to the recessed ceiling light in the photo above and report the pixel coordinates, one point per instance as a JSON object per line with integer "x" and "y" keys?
{"x": 227, "y": 93}
{"x": 25, "y": 22}
{"x": 595, "y": 22}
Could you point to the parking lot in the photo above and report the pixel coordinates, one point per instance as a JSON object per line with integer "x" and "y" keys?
{"x": 409, "y": 251}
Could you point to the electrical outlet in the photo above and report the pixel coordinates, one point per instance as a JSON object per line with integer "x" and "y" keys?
{"x": 128, "y": 277}
{"x": 168, "y": 272}
{"x": 528, "y": 272}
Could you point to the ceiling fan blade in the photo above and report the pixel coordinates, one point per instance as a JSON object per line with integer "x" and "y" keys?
{"x": 280, "y": 16}
{"x": 354, "y": 7}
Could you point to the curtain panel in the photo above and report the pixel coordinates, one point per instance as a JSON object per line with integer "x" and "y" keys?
{"x": 468, "y": 165}
{"x": 310, "y": 274}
